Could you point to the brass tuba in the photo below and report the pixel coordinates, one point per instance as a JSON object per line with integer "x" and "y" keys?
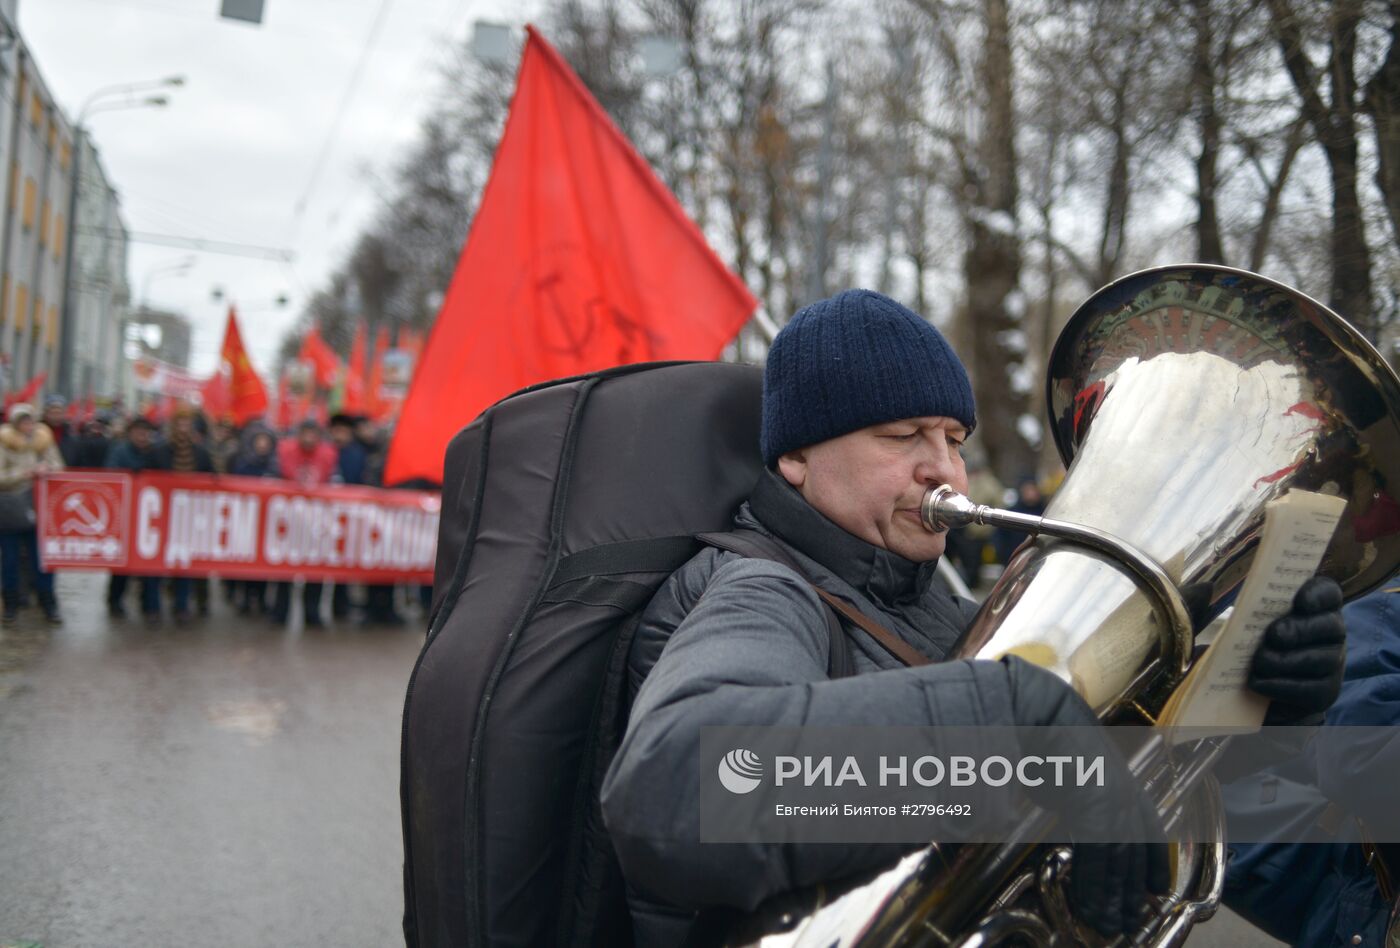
{"x": 1182, "y": 400}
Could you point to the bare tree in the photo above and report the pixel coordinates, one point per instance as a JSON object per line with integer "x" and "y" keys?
{"x": 1329, "y": 101}
{"x": 982, "y": 139}
{"x": 1382, "y": 104}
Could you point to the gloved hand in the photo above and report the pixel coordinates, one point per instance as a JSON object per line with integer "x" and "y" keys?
{"x": 1109, "y": 882}
{"x": 1300, "y": 660}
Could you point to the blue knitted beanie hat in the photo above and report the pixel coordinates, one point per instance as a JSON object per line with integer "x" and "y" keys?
{"x": 855, "y": 360}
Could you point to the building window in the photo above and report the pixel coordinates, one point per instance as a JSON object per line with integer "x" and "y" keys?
{"x": 57, "y": 236}
{"x": 51, "y": 335}
{"x": 36, "y": 110}
{"x": 44, "y": 223}
{"x": 65, "y": 154}
{"x": 31, "y": 197}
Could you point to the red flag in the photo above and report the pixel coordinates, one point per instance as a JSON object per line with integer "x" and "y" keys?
{"x": 214, "y": 396}
{"x": 578, "y": 259}
{"x": 234, "y": 389}
{"x": 27, "y": 393}
{"x": 353, "y": 399}
{"x": 284, "y": 404}
{"x": 320, "y": 355}
{"x": 374, "y": 404}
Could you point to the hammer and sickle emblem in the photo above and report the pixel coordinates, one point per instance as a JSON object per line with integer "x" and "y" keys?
{"x": 84, "y": 521}
{"x": 575, "y": 336}
{"x": 565, "y": 330}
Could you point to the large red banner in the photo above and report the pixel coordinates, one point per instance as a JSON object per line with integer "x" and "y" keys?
{"x": 162, "y": 524}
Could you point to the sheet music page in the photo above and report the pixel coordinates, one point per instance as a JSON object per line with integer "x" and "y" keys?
{"x": 1297, "y": 529}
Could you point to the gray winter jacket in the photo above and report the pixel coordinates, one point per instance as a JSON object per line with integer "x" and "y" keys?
{"x": 735, "y": 641}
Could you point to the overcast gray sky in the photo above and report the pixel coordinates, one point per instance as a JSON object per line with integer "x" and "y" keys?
{"x": 235, "y": 152}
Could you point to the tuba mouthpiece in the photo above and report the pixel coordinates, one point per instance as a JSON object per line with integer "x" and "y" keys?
{"x": 944, "y": 508}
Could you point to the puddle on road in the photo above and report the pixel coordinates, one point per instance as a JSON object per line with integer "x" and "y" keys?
{"x": 256, "y": 720}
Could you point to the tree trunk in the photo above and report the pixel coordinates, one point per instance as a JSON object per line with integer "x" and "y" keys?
{"x": 1209, "y": 248}
{"x": 1115, "y": 209}
{"x": 1383, "y": 104}
{"x": 993, "y": 261}
{"x": 1334, "y": 125}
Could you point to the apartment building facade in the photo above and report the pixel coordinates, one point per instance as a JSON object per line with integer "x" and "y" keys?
{"x": 37, "y": 152}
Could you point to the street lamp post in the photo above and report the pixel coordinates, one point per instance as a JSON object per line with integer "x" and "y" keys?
{"x": 93, "y": 105}
{"x": 179, "y": 267}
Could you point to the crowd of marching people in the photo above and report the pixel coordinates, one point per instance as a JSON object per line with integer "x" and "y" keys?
{"x": 347, "y": 449}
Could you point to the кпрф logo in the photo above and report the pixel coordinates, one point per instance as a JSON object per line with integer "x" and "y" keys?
{"x": 740, "y": 771}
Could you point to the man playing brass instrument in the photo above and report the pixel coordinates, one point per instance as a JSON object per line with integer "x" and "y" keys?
{"x": 865, "y": 406}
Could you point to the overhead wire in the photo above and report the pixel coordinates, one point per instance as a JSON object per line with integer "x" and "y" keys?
{"x": 342, "y": 108}
{"x": 456, "y": 10}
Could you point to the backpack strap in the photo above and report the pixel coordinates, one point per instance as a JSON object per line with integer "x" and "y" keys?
{"x": 755, "y": 545}
{"x": 890, "y": 642}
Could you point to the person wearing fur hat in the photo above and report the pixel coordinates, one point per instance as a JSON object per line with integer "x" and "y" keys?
{"x": 27, "y": 448}
{"x": 865, "y": 407}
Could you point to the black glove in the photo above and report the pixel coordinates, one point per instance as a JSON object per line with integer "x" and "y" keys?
{"x": 1300, "y": 660}
{"x": 1108, "y": 882}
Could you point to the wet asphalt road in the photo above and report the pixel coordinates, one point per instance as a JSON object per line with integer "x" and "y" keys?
{"x": 223, "y": 783}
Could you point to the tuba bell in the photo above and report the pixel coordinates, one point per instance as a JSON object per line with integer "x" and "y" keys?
{"x": 1182, "y": 400}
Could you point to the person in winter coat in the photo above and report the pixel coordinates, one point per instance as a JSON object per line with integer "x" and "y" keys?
{"x": 257, "y": 457}
{"x": 56, "y": 418}
{"x": 90, "y": 448}
{"x": 350, "y": 469}
{"x": 359, "y": 463}
{"x": 27, "y": 449}
{"x": 351, "y": 454}
{"x": 224, "y": 445}
{"x": 865, "y": 406}
{"x": 183, "y": 453}
{"x": 310, "y": 461}
{"x": 134, "y": 452}
{"x": 1326, "y": 893}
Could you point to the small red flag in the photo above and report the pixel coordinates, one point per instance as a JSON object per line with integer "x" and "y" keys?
{"x": 315, "y": 350}
{"x": 234, "y": 390}
{"x": 27, "y": 393}
{"x": 214, "y": 396}
{"x": 353, "y": 398}
{"x": 284, "y": 404}
{"x": 578, "y": 259}
{"x": 374, "y": 400}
